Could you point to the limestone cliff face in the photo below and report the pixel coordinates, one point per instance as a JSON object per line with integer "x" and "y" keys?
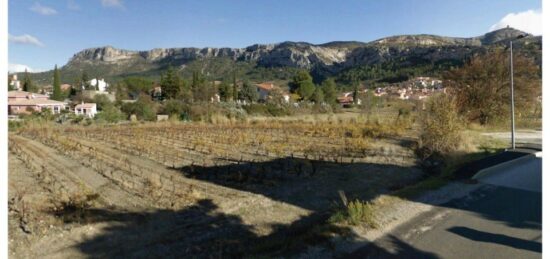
{"x": 328, "y": 58}
{"x": 302, "y": 55}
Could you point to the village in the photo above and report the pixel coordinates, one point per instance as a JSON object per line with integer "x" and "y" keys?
{"x": 24, "y": 102}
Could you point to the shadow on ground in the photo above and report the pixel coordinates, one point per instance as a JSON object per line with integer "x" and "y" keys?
{"x": 505, "y": 240}
{"x": 203, "y": 231}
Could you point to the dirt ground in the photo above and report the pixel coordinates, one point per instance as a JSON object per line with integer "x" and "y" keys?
{"x": 76, "y": 195}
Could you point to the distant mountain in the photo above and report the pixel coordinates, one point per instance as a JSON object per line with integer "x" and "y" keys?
{"x": 279, "y": 61}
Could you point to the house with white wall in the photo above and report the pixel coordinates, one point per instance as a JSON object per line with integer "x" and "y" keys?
{"x": 102, "y": 87}
{"x": 21, "y": 102}
{"x": 86, "y": 109}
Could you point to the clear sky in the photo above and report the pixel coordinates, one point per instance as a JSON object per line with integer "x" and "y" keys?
{"x": 44, "y": 33}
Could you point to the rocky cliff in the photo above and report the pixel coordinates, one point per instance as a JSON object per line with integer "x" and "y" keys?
{"x": 323, "y": 60}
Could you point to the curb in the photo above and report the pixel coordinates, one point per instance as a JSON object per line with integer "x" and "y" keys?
{"x": 496, "y": 168}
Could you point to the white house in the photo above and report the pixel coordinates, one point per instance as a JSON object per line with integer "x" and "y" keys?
{"x": 86, "y": 109}
{"x": 16, "y": 84}
{"x": 102, "y": 84}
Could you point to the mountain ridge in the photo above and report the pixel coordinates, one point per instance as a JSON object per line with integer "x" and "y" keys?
{"x": 323, "y": 60}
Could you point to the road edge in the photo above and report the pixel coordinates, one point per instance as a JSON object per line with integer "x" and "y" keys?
{"x": 493, "y": 169}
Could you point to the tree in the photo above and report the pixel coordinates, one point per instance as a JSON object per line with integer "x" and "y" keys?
{"x": 171, "y": 83}
{"x": 302, "y": 84}
{"x": 84, "y": 80}
{"x": 202, "y": 91}
{"x": 235, "y": 87}
{"x": 249, "y": 93}
{"x": 76, "y": 88}
{"x": 440, "y": 126}
{"x": 225, "y": 91}
{"x": 57, "y": 94}
{"x": 102, "y": 101}
{"x": 329, "y": 90}
{"x": 482, "y": 86}
{"x": 144, "y": 108}
{"x": 28, "y": 86}
{"x": 318, "y": 97}
{"x": 10, "y": 86}
{"x": 111, "y": 114}
{"x": 276, "y": 96}
{"x": 97, "y": 84}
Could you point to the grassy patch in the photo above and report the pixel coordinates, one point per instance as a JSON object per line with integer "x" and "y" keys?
{"x": 355, "y": 213}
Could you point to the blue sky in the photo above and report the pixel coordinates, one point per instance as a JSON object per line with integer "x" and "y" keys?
{"x": 45, "y": 33}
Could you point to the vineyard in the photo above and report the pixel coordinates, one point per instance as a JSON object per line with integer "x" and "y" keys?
{"x": 176, "y": 189}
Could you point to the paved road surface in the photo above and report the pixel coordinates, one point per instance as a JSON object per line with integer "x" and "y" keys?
{"x": 523, "y": 137}
{"x": 501, "y": 219}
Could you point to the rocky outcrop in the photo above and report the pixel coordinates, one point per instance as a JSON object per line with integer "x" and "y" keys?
{"x": 326, "y": 59}
{"x": 302, "y": 55}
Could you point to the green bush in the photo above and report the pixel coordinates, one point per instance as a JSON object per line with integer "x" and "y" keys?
{"x": 110, "y": 114}
{"x": 174, "y": 107}
{"x": 144, "y": 108}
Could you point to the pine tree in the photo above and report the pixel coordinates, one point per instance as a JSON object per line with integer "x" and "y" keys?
{"x": 329, "y": 91}
{"x": 318, "y": 97}
{"x": 235, "y": 89}
{"x": 225, "y": 91}
{"x": 85, "y": 80}
{"x": 302, "y": 83}
{"x": 170, "y": 83}
{"x": 57, "y": 95}
{"x": 27, "y": 83}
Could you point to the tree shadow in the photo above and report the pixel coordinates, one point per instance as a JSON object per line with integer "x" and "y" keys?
{"x": 307, "y": 183}
{"x": 196, "y": 231}
{"x": 202, "y": 230}
{"x": 482, "y": 236}
{"x": 199, "y": 231}
{"x": 399, "y": 249}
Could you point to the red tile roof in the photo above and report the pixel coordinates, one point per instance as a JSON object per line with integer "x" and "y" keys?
{"x": 265, "y": 86}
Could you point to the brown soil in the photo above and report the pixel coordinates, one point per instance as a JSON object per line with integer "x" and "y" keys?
{"x": 238, "y": 200}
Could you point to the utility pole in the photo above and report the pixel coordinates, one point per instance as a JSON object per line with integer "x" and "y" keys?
{"x": 512, "y": 94}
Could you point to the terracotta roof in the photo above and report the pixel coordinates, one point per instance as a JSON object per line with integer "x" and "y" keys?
{"x": 85, "y": 105}
{"x": 265, "y": 86}
{"x": 345, "y": 99}
{"x": 22, "y": 94}
{"x": 34, "y": 102}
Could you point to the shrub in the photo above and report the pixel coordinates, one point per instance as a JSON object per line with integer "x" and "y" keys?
{"x": 266, "y": 110}
{"x": 174, "y": 107}
{"x": 440, "y": 127}
{"x": 110, "y": 114}
{"x": 102, "y": 101}
{"x": 356, "y": 212}
{"x": 144, "y": 108}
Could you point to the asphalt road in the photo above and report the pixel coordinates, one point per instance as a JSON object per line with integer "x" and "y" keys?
{"x": 501, "y": 219}
{"x": 524, "y": 138}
